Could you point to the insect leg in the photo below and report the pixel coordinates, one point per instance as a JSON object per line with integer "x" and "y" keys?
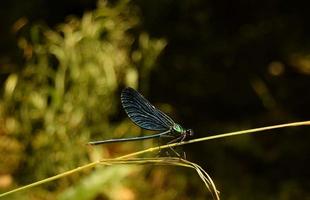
{"x": 174, "y": 140}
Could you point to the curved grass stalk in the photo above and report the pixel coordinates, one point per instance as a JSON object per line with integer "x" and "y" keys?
{"x": 170, "y": 161}
{"x": 93, "y": 164}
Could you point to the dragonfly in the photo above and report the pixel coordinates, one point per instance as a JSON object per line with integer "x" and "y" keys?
{"x": 146, "y": 116}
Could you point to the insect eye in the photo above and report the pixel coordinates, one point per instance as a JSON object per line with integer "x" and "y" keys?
{"x": 190, "y": 132}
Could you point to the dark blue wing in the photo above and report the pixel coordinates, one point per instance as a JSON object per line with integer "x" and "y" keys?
{"x": 143, "y": 113}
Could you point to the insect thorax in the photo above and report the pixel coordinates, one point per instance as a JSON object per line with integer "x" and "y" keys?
{"x": 178, "y": 128}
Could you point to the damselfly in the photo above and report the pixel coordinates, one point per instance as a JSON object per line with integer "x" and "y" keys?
{"x": 146, "y": 116}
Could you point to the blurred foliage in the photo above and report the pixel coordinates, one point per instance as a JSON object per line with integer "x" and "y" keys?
{"x": 106, "y": 181}
{"x": 67, "y": 92}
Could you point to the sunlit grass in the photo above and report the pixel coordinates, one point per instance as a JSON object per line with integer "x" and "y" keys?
{"x": 130, "y": 159}
{"x": 174, "y": 161}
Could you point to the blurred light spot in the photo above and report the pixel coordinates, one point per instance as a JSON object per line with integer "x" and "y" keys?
{"x": 263, "y": 93}
{"x": 38, "y": 101}
{"x": 131, "y": 78}
{"x": 10, "y": 85}
{"x": 136, "y": 56}
{"x": 144, "y": 40}
{"x": 11, "y": 152}
{"x": 126, "y": 194}
{"x": 27, "y": 48}
{"x": 20, "y": 23}
{"x": 11, "y": 124}
{"x": 301, "y": 63}
{"x": 276, "y": 68}
{"x": 5, "y": 180}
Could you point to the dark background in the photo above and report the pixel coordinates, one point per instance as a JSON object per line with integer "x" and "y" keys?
{"x": 227, "y": 66}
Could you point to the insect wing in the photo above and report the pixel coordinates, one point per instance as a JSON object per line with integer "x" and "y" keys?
{"x": 143, "y": 113}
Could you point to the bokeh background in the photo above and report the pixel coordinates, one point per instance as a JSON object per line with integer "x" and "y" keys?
{"x": 214, "y": 66}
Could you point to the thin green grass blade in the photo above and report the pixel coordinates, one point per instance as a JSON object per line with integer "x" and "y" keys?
{"x": 93, "y": 164}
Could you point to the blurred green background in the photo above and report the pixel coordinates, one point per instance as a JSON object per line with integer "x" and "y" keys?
{"x": 213, "y": 66}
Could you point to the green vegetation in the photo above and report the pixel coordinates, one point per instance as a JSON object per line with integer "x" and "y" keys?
{"x": 67, "y": 92}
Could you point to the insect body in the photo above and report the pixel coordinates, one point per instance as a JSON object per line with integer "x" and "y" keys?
{"x": 146, "y": 116}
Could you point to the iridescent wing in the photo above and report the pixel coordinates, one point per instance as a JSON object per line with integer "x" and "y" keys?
{"x": 143, "y": 113}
